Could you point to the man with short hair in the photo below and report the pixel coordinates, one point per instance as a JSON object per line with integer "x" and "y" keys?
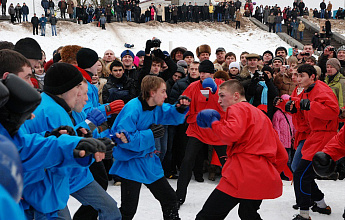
{"x": 188, "y": 56}
{"x": 320, "y": 108}
{"x": 53, "y": 22}
{"x": 3, "y": 7}
{"x": 62, "y": 5}
{"x": 127, "y": 58}
{"x": 109, "y": 56}
{"x": 242, "y": 130}
{"x": 282, "y": 52}
{"x": 34, "y": 22}
{"x": 243, "y": 59}
{"x": 220, "y": 54}
{"x": 43, "y": 22}
{"x": 25, "y": 12}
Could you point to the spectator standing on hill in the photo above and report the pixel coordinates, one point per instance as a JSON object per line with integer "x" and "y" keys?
{"x": 278, "y": 21}
{"x": 3, "y": 7}
{"x": 108, "y": 13}
{"x": 159, "y": 13}
{"x": 43, "y": 22}
{"x": 70, "y": 9}
{"x": 300, "y": 29}
{"x": 270, "y": 21}
{"x": 102, "y": 21}
{"x": 238, "y": 19}
{"x": 118, "y": 10}
{"x": 34, "y": 22}
{"x": 45, "y": 6}
{"x": 18, "y": 10}
{"x": 323, "y": 7}
{"x": 25, "y": 11}
{"x": 329, "y": 10}
{"x": 62, "y": 5}
{"x": 301, "y": 6}
{"x": 51, "y": 7}
{"x": 53, "y": 22}
{"x": 90, "y": 12}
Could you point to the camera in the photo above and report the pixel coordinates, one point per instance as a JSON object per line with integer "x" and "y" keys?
{"x": 286, "y": 66}
{"x": 156, "y": 42}
{"x": 331, "y": 49}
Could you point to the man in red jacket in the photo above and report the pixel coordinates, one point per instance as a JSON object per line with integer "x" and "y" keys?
{"x": 320, "y": 109}
{"x": 204, "y": 95}
{"x": 252, "y": 171}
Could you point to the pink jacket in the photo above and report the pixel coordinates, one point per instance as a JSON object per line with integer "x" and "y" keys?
{"x": 282, "y": 127}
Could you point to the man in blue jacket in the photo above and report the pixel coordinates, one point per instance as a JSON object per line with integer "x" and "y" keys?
{"x": 136, "y": 162}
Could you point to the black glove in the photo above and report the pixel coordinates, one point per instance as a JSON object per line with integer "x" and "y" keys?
{"x": 182, "y": 108}
{"x": 157, "y": 130}
{"x": 109, "y": 147}
{"x": 276, "y": 99}
{"x": 81, "y": 134}
{"x": 56, "y": 131}
{"x": 323, "y": 164}
{"x": 305, "y": 104}
{"x": 265, "y": 77}
{"x": 90, "y": 146}
{"x": 148, "y": 47}
{"x": 158, "y": 53}
{"x": 288, "y": 106}
{"x": 256, "y": 77}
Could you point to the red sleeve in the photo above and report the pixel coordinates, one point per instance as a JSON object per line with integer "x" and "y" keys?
{"x": 324, "y": 106}
{"x": 336, "y": 146}
{"x": 281, "y": 156}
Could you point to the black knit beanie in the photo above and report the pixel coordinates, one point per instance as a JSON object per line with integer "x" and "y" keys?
{"x": 86, "y": 58}
{"x": 188, "y": 53}
{"x": 206, "y": 66}
{"x": 61, "y": 77}
{"x": 29, "y": 48}
{"x": 267, "y": 68}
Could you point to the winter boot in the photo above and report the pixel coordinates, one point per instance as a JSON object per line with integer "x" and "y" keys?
{"x": 171, "y": 213}
{"x": 212, "y": 172}
{"x": 326, "y": 210}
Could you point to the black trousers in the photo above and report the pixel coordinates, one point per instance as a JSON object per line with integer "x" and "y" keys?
{"x": 161, "y": 190}
{"x": 194, "y": 146}
{"x": 271, "y": 26}
{"x": 238, "y": 24}
{"x": 100, "y": 175}
{"x": 3, "y": 7}
{"x": 219, "y": 204}
{"x": 306, "y": 189}
{"x": 35, "y": 29}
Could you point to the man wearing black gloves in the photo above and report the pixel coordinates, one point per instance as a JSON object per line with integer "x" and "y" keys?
{"x": 137, "y": 162}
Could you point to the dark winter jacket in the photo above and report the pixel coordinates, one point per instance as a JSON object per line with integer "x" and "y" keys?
{"x": 25, "y": 10}
{"x": 115, "y": 89}
{"x": 34, "y": 21}
{"x": 44, "y": 4}
{"x": 51, "y": 4}
{"x": 238, "y": 4}
{"x": 53, "y": 20}
{"x": 323, "y": 5}
{"x": 62, "y": 5}
{"x": 179, "y": 87}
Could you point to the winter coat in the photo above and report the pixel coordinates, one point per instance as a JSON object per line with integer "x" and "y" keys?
{"x": 266, "y": 14}
{"x": 278, "y": 19}
{"x": 51, "y": 4}
{"x": 284, "y": 84}
{"x": 34, "y": 21}
{"x": 25, "y": 10}
{"x": 9, "y": 208}
{"x": 336, "y": 146}
{"x": 93, "y": 101}
{"x": 90, "y": 11}
{"x": 294, "y": 25}
{"x": 43, "y": 21}
{"x": 271, "y": 19}
{"x": 250, "y": 154}
{"x": 179, "y": 87}
{"x": 238, "y": 4}
{"x": 211, "y": 9}
{"x": 174, "y": 11}
{"x": 118, "y": 9}
{"x": 198, "y": 103}
{"x": 62, "y": 5}
{"x": 322, "y": 117}
{"x": 329, "y": 7}
{"x": 301, "y": 27}
{"x": 323, "y": 5}
{"x": 115, "y": 89}
{"x": 53, "y": 21}
{"x": 232, "y": 10}
{"x": 338, "y": 87}
{"x": 57, "y": 182}
{"x": 18, "y": 10}
{"x": 136, "y": 160}
{"x": 44, "y": 4}
{"x": 108, "y": 10}
{"x": 184, "y": 8}
{"x": 159, "y": 11}
{"x": 285, "y": 129}
{"x": 238, "y": 16}
{"x": 70, "y": 7}
{"x": 103, "y": 20}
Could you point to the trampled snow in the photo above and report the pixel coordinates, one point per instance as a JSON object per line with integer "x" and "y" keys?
{"x": 189, "y": 35}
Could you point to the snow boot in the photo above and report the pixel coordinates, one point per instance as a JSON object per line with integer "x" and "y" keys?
{"x": 171, "y": 213}
{"x": 326, "y": 210}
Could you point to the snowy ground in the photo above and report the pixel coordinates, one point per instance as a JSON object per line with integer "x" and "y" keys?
{"x": 189, "y": 35}
{"x": 277, "y": 209}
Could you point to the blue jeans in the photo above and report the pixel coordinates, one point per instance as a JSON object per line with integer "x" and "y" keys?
{"x": 119, "y": 16}
{"x": 129, "y": 16}
{"x": 31, "y": 214}
{"x": 161, "y": 144}
{"x": 89, "y": 19}
{"x": 53, "y": 30}
{"x": 43, "y": 30}
{"x": 294, "y": 33}
{"x": 147, "y": 19}
{"x": 322, "y": 14}
{"x": 25, "y": 17}
{"x": 278, "y": 28}
{"x": 94, "y": 195}
{"x": 301, "y": 35}
{"x": 219, "y": 17}
{"x": 298, "y": 156}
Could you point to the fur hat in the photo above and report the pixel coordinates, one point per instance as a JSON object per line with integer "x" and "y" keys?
{"x": 61, "y": 77}
{"x": 69, "y": 53}
{"x": 334, "y": 62}
{"x": 203, "y": 49}
{"x": 206, "y": 66}
{"x": 220, "y": 74}
{"x": 127, "y": 52}
{"x": 86, "y": 58}
{"x": 29, "y": 48}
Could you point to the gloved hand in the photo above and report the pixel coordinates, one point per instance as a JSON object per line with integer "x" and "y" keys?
{"x": 157, "y": 130}
{"x": 83, "y": 132}
{"x": 158, "y": 53}
{"x": 56, "y": 131}
{"x": 210, "y": 83}
{"x": 305, "y": 104}
{"x": 290, "y": 107}
{"x": 265, "y": 77}
{"x": 90, "y": 146}
{"x": 206, "y": 117}
{"x": 121, "y": 138}
{"x": 182, "y": 103}
{"x": 109, "y": 146}
{"x": 4, "y": 94}
{"x": 148, "y": 47}
{"x": 323, "y": 164}
{"x": 96, "y": 117}
{"x": 114, "y": 107}
{"x": 277, "y": 100}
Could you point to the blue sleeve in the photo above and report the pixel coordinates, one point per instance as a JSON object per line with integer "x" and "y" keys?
{"x": 127, "y": 119}
{"x": 168, "y": 115}
{"x": 8, "y": 208}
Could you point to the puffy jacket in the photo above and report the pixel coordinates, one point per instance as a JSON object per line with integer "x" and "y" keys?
{"x": 338, "y": 87}
{"x": 284, "y": 84}
{"x": 115, "y": 89}
{"x": 179, "y": 87}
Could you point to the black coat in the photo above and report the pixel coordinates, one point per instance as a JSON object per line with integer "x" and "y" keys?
{"x": 34, "y": 21}
{"x": 179, "y": 87}
{"x": 118, "y": 89}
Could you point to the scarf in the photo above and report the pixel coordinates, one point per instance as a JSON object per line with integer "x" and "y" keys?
{"x": 264, "y": 92}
